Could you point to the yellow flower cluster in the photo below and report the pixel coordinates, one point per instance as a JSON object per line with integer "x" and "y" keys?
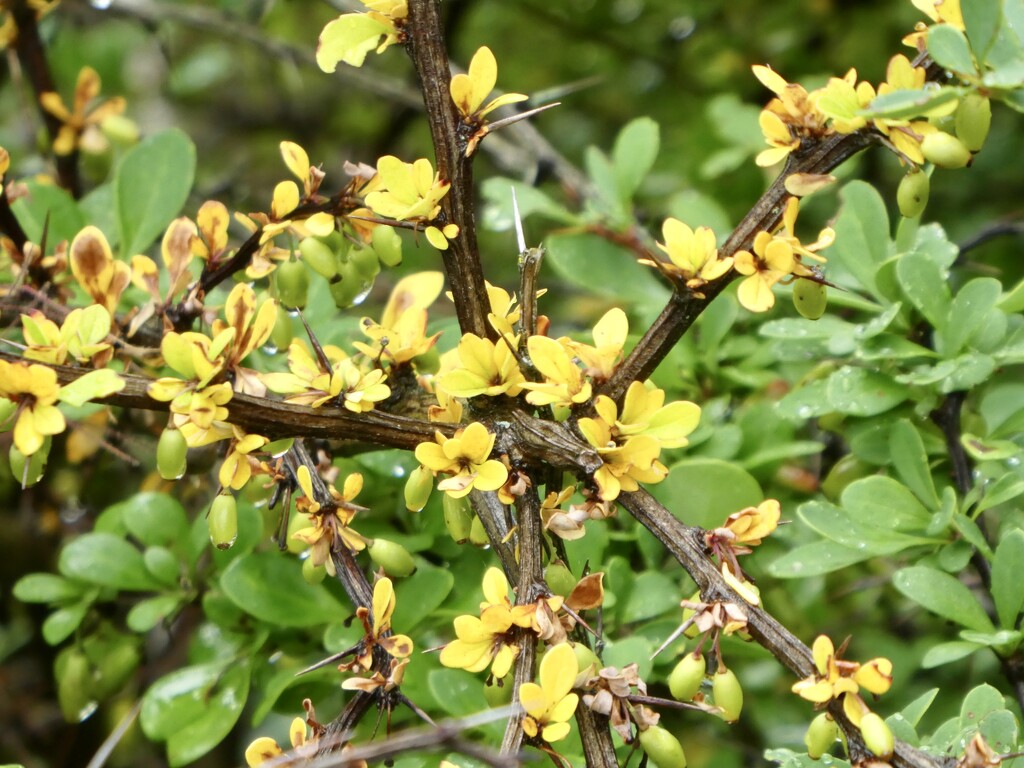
{"x": 837, "y": 679}
{"x": 330, "y": 521}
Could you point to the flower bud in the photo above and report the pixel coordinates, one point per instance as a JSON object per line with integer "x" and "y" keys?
{"x": 810, "y": 298}
{"x": 477, "y": 534}
{"x": 945, "y": 150}
{"x": 662, "y": 748}
{"x": 319, "y": 256}
{"x": 728, "y": 695}
{"x": 388, "y": 245}
{"x": 912, "y": 194}
{"x": 458, "y": 518}
{"x": 292, "y": 281}
{"x": 223, "y": 521}
{"x": 559, "y": 578}
{"x": 877, "y": 735}
{"x": 392, "y": 557}
{"x": 684, "y": 681}
{"x": 171, "y": 454}
{"x": 973, "y": 119}
{"x": 418, "y": 488}
{"x": 313, "y": 574}
{"x": 821, "y": 735}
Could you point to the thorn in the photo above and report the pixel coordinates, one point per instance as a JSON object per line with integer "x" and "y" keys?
{"x": 520, "y": 237}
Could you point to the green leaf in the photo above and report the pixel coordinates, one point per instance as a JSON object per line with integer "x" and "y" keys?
{"x": 815, "y": 559}
{"x": 269, "y": 586}
{"x": 845, "y": 527}
{"x": 1004, "y": 641}
{"x": 916, "y": 709}
{"x": 781, "y": 452}
{"x": 498, "y": 214}
{"x": 46, "y": 588}
{"x": 1007, "y": 584}
{"x": 419, "y": 595}
{"x": 969, "y": 312}
{"x": 942, "y": 594}
{"x": 653, "y": 593}
{"x": 969, "y": 529}
{"x": 697, "y": 209}
{"x": 154, "y": 518}
{"x": 905, "y": 104}
{"x": 704, "y": 492}
{"x": 151, "y": 185}
{"x": 456, "y": 691}
{"x": 911, "y": 462}
{"x": 981, "y": 20}
{"x": 49, "y": 207}
{"x": 106, "y": 560}
{"x": 194, "y": 708}
{"x": 607, "y": 201}
{"x": 924, "y": 284}
{"x": 1004, "y": 489}
{"x": 591, "y": 262}
{"x": 862, "y": 242}
{"x": 947, "y": 653}
{"x": 147, "y": 614}
{"x": 61, "y": 623}
{"x": 861, "y": 392}
{"x": 979, "y": 703}
{"x": 948, "y": 46}
{"x": 91, "y": 386}
{"x": 787, "y": 758}
{"x": 635, "y": 648}
{"x": 634, "y": 153}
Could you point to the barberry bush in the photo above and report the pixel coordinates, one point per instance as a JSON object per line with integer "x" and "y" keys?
{"x": 398, "y": 417}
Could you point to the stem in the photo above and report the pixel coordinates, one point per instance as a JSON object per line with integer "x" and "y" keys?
{"x": 32, "y": 56}
{"x": 492, "y": 514}
{"x": 596, "y": 738}
{"x": 462, "y": 258}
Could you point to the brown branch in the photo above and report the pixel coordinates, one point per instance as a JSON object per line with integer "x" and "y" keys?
{"x": 686, "y": 544}
{"x": 32, "y": 56}
{"x": 462, "y": 258}
{"x": 684, "y": 307}
{"x": 492, "y": 513}
{"x": 596, "y": 738}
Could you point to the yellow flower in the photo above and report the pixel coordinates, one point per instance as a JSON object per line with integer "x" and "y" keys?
{"x": 31, "y": 393}
{"x": 345, "y": 382}
{"x": 401, "y": 334}
{"x": 693, "y": 255}
{"x": 644, "y": 413}
{"x": 265, "y": 749}
{"x": 488, "y": 640}
{"x": 626, "y": 465}
{"x": 353, "y": 35}
{"x": 842, "y": 99}
{"x": 377, "y": 634}
{"x": 550, "y": 705}
{"x": 469, "y": 90}
{"x": 564, "y": 384}
{"x": 95, "y": 268}
{"x": 835, "y": 678}
{"x": 81, "y": 336}
{"x": 249, "y": 328}
{"x": 465, "y": 457}
{"x": 485, "y": 368}
{"x": 504, "y": 312}
{"x": 236, "y": 469}
{"x": 749, "y": 526}
{"x": 331, "y": 520}
{"x": 610, "y": 333}
{"x": 788, "y": 119}
{"x": 940, "y": 12}
{"x": 411, "y": 192}
{"x": 75, "y": 121}
{"x": 212, "y": 221}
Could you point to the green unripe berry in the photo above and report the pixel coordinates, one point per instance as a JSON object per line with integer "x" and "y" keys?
{"x": 662, "y": 748}
{"x": 559, "y": 578}
{"x": 392, "y": 557}
{"x": 912, "y": 194}
{"x": 477, "y": 534}
{"x": 429, "y": 361}
{"x": 346, "y": 290}
{"x": 28, "y": 470}
{"x": 223, "y": 521}
{"x": 366, "y": 263}
{"x": 388, "y": 245}
{"x": 810, "y": 298}
{"x": 313, "y": 574}
{"x": 120, "y": 130}
{"x": 171, "y": 454}
{"x": 296, "y": 523}
{"x": 283, "y": 333}
{"x": 973, "y": 119}
{"x": 685, "y": 680}
{"x": 945, "y": 150}
{"x": 586, "y": 659}
{"x": 499, "y": 692}
{"x": 74, "y": 685}
{"x": 877, "y": 735}
{"x": 319, "y": 257}
{"x": 821, "y": 735}
{"x": 728, "y": 694}
{"x": 417, "y": 489}
{"x": 292, "y": 281}
{"x": 458, "y": 518}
